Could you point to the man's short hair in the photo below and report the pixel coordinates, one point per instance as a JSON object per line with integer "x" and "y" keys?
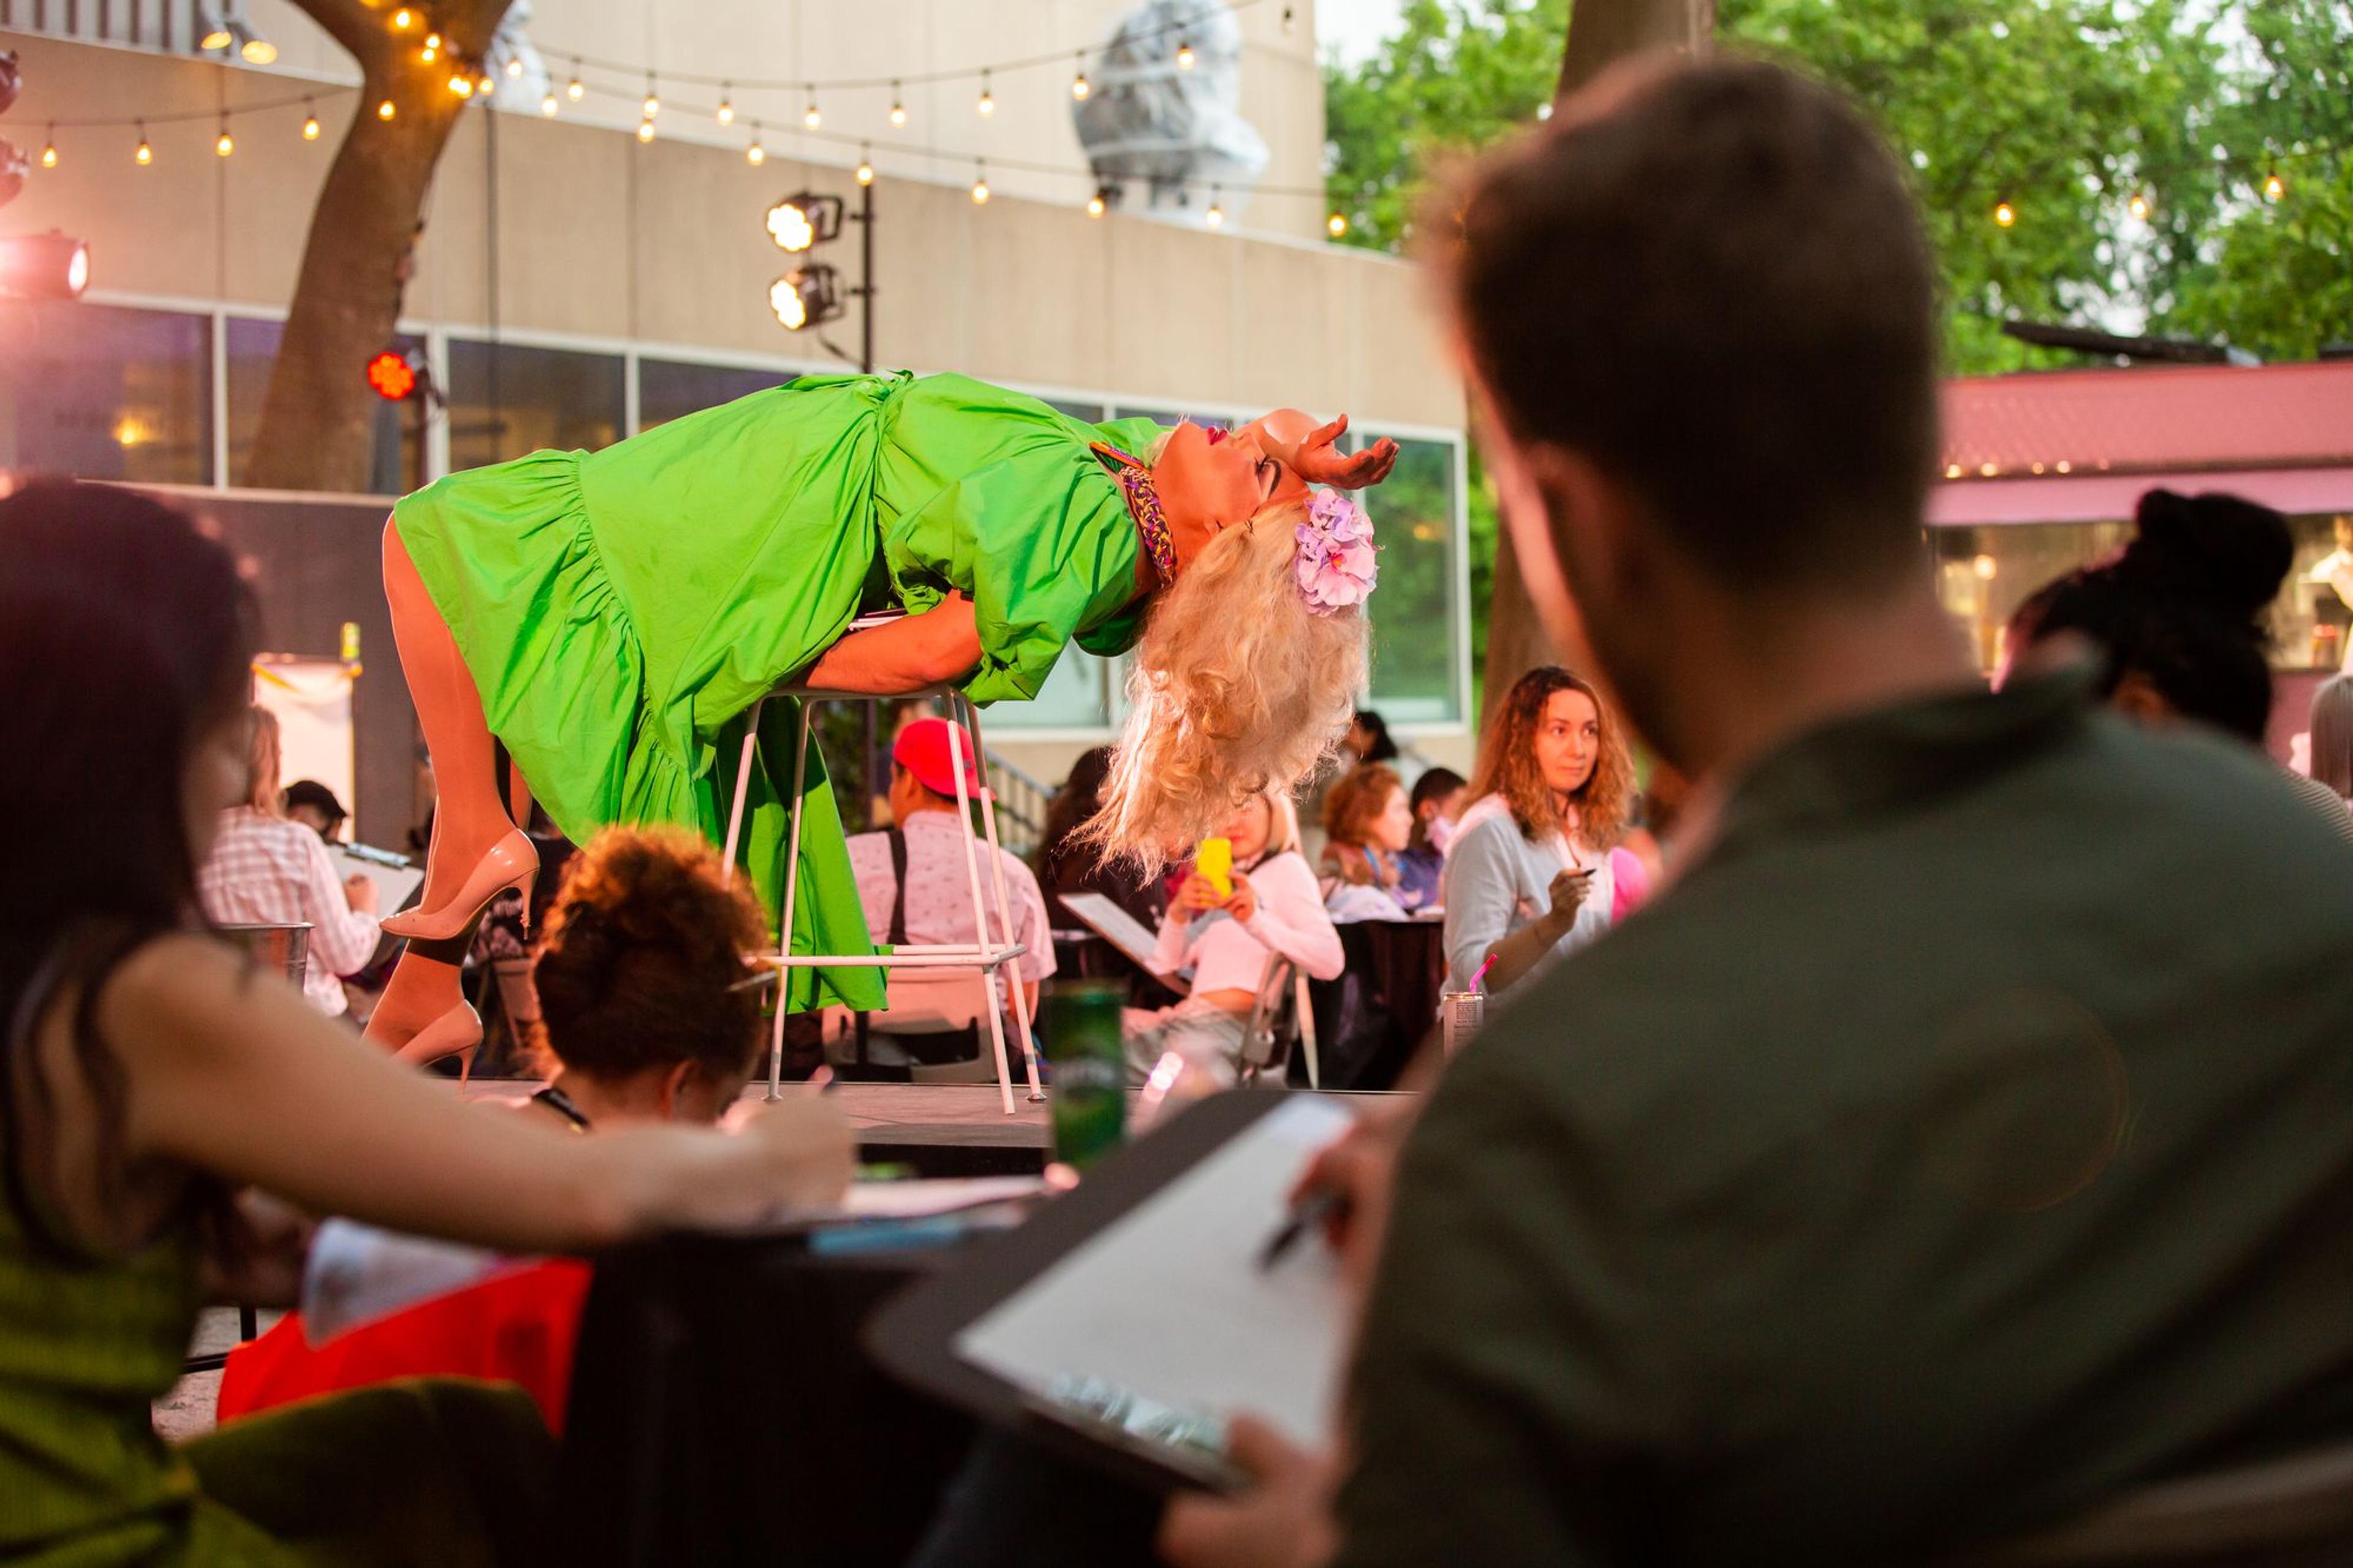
{"x": 1715, "y": 287}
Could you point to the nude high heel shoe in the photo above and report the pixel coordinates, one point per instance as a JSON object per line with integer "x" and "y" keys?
{"x": 511, "y": 862}
{"x": 458, "y": 1032}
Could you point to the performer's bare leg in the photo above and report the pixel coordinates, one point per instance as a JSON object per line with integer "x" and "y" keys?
{"x": 471, "y": 814}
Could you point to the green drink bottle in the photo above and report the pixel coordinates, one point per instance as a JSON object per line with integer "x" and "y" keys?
{"x": 1089, "y": 1085}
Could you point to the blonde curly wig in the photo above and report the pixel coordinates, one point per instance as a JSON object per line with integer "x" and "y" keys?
{"x": 1236, "y": 687}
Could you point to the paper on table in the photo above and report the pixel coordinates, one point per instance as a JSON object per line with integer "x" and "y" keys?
{"x": 914, "y": 1200}
{"x": 357, "y": 1273}
{"x": 1170, "y": 1305}
{"x": 1122, "y": 931}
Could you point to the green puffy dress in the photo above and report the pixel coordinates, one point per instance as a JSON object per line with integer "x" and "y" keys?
{"x": 621, "y": 611}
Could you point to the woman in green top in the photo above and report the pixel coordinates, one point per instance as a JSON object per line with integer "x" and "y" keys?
{"x": 148, "y": 1074}
{"x": 613, "y": 616}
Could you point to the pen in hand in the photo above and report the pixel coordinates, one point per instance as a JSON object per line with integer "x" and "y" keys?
{"x": 1320, "y": 1207}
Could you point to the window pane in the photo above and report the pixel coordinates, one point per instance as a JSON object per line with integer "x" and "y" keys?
{"x": 1092, "y": 413}
{"x": 1074, "y": 697}
{"x": 670, "y": 388}
{"x": 506, "y": 400}
{"x": 104, "y": 393}
{"x": 1415, "y": 632}
{"x": 396, "y": 456}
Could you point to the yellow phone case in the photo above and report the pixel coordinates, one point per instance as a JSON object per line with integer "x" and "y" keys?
{"x": 1216, "y": 861}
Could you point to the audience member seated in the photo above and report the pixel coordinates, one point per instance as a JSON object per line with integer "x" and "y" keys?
{"x": 267, "y": 870}
{"x": 1224, "y": 939}
{"x": 1533, "y": 874}
{"x": 314, "y": 806}
{"x": 2331, "y": 742}
{"x": 2178, "y": 619}
{"x": 1959, "y": 1141}
{"x": 156, "y": 1088}
{"x": 643, "y": 1021}
{"x": 1367, "y": 823}
{"x": 1066, "y": 865}
{"x": 914, "y": 878}
{"x": 1437, "y": 802}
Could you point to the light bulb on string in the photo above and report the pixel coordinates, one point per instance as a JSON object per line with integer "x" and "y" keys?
{"x": 548, "y": 106}
{"x": 812, "y": 116}
{"x": 726, "y": 103}
{"x": 429, "y": 53}
{"x": 1078, "y": 87}
{"x": 653, "y": 97}
{"x": 2004, "y": 214}
{"x": 403, "y": 20}
{"x": 988, "y": 104}
{"x": 1216, "y": 215}
{"x": 50, "y": 150}
{"x": 1336, "y": 225}
{"x": 979, "y": 184}
{"x": 755, "y": 154}
{"x": 514, "y": 67}
{"x": 310, "y": 121}
{"x": 1096, "y": 205}
{"x": 865, "y": 166}
{"x": 574, "y": 89}
{"x": 645, "y": 129}
{"x": 1184, "y": 55}
{"x": 224, "y": 143}
{"x": 385, "y": 110}
{"x": 145, "y": 155}
{"x": 432, "y": 40}
{"x": 484, "y": 85}
{"x": 897, "y": 106}
{"x": 2273, "y": 186}
{"x": 462, "y": 84}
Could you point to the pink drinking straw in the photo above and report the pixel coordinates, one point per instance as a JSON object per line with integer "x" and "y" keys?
{"x": 1478, "y": 980}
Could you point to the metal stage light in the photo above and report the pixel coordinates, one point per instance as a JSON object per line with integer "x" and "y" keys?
{"x": 51, "y": 266}
{"x": 807, "y": 296}
{"x": 804, "y": 220}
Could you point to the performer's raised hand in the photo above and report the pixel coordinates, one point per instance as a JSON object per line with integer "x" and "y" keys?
{"x": 1319, "y": 460}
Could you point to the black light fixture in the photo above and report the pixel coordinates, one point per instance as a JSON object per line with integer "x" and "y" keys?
{"x": 803, "y": 220}
{"x": 807, "y": 296}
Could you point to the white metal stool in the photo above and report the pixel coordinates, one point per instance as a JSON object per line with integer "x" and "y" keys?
{"x": 993, "y": 961}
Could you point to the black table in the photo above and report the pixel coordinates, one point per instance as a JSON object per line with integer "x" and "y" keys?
{"x": 1371, "y": 1021}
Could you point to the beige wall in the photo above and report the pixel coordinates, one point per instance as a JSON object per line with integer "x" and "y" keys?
{"x": 599, "y": 235}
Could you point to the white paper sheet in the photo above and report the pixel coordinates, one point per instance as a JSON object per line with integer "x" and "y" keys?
{"x": 393, "y": 883}
{"x": 1170, "y": 1305}
{"x": 1124, "y": 931}
{"x": 357, "y": 1273}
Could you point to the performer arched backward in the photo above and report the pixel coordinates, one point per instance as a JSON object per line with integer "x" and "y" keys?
{"x": 613, "y": 616}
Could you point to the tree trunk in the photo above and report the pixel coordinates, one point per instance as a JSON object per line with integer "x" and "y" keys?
{"x": 1601, "y": 33}
{"x": 317, "y": 420}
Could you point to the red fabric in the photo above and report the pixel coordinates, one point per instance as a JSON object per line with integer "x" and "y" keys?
{"x": 518, "y": 1328}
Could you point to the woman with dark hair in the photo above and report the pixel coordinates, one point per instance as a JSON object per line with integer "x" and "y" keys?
{"x": 1534, "y": 871}
{"x": 149, "y": 1074}
{"x": 1368, "y": 738}
{"x": 1067, "y": 863}
{"x": 2179, "y": 615}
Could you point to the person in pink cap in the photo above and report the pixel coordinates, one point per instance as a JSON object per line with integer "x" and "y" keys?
{"x": 912, "y": 880}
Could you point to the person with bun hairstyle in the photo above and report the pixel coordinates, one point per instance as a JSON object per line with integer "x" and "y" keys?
{"x": 643, "y": 1019}
{"x": 2179, "y": 615}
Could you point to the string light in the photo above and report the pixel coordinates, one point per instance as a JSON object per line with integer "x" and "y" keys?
{"x": 1095, "y": 204}
{"x": 431, "y": 51}
{"x": 1216, "y": 215}
{"x": 145, "y": 154}
{"x": 979, "y": 184}
{"x": 726, "y": 104}
{"x": 988, "y": 105}
{"x": 225, "y": 144}
{"x": 49, "y": 151}
{"x": 1289, "y": 21}
{"x": 810, "y": 116}
{"x": 462, "y": 84}
{"x": 865, "y": 166}
{"x": 310, "y": 124}
{"x": 645, "y": 129}
{"x": 403, "y": 20}
{"x": 548, "y": 106}
{"x": 385, "y": 110}
{"x": 572, "y": 89}
{"x": 432, "y": 40}
{"x": 2139, "y": 205}
{"x": 2004, "y": 214}
{"x": 2273, "y": 186}
{"x": 1184, "y": 55}
{"x": 755, "y": 154}
{"x": 1078, "y": 87}
{"x": 515, "y": 66}
{"x": 1336, "y": 225}
{"x": 653, "y": 97}
{"x": 897, "y": 106}
{"x": 483, "y": 87}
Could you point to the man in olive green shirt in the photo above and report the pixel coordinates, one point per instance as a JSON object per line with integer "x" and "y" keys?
{"x": 1966, "y": 1135}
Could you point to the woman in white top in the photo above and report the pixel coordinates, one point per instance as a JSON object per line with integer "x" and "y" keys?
{"x": 266, "y": 869}
{"x": 1227, "y": 940}
{"x": 1530, "y": 874}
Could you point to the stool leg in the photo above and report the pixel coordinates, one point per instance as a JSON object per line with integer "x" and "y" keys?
{"x": 1005, "y": 917}
{"x": 956, "y": 739}
{"x": 743, "y": 788}
{"x": 792, "y": 890}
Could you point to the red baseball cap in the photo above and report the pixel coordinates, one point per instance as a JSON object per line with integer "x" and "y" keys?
{"x": 922, "y": 749}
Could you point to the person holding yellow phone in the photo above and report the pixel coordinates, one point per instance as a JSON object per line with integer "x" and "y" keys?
{"x": 1249, "y": 898}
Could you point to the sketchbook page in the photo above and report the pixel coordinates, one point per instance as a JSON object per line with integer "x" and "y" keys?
{"x": 356, "y": 1273}
{"x": 1116, "y": 926}
{"x": 1170, "y": 1305}
{"x": 919, "y": 1199}
{"x": 394, "y": 884}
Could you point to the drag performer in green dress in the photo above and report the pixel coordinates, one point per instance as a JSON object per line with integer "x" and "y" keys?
{"x": 613, "y": 616}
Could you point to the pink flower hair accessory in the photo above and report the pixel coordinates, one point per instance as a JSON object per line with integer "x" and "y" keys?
{"x": 1337, "y": 562}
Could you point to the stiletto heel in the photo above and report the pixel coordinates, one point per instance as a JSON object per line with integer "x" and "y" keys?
{"x": 511, "y": 862}
{"x": 456, "y": 1033}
